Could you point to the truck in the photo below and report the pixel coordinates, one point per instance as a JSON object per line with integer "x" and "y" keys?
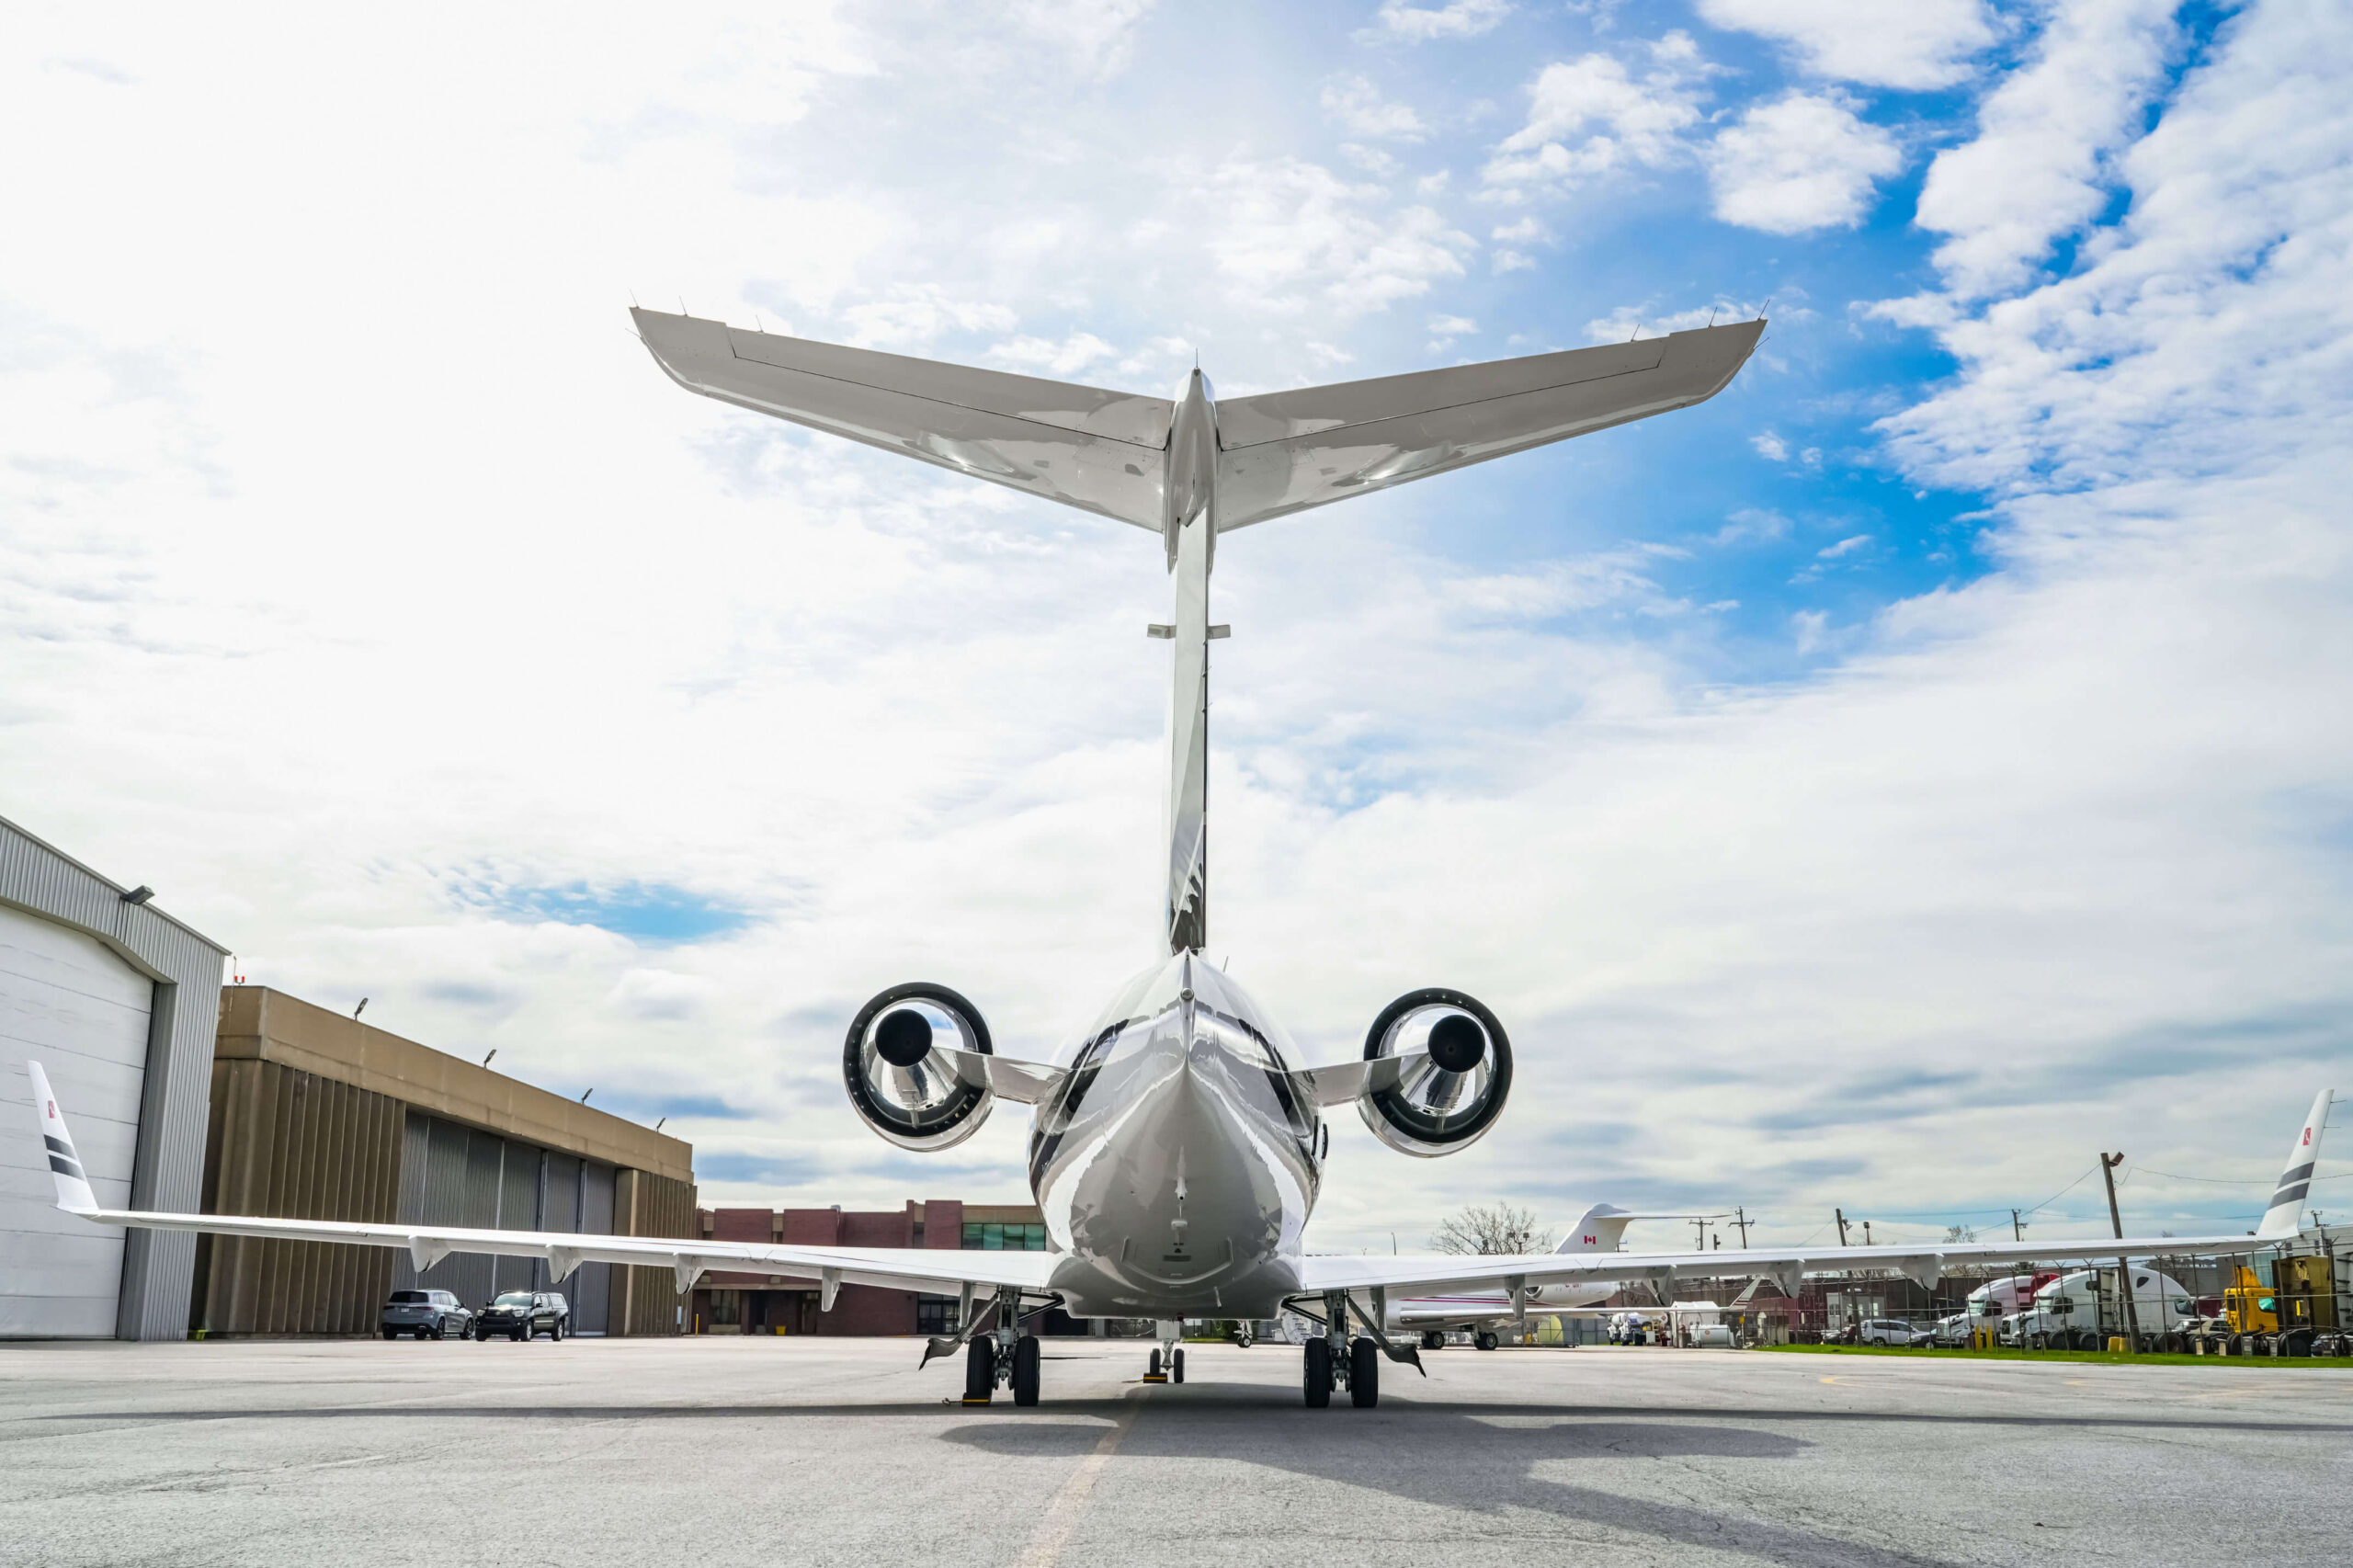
{"x": 2078, "y": 1312}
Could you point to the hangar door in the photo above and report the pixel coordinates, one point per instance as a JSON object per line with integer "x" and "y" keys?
{"x": 68, "y": 1003}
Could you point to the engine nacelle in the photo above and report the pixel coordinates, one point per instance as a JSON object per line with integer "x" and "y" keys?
{"x": 899, "y": 1075}
{"x": 1445, "y": 1104}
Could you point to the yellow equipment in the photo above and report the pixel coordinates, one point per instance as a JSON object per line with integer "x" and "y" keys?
{"x": 2249, "y": 1305}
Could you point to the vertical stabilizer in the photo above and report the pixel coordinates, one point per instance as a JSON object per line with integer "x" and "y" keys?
{"x": 2288, "y": 1198}
{"x": 1192, "y": 541}
{"x": 64, "y": 1165}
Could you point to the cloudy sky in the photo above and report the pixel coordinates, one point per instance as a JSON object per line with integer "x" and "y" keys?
{"x": 1925, "y": 764}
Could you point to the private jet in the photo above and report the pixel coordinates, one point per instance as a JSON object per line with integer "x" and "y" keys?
{"x": 1178, "y": 1143}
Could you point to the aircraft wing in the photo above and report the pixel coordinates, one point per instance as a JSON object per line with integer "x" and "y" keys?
{"x": 1286, "y": 451}
{"x": 1336, "y": 1085}
{"x": 1101, "y": 451}
{"x": 943, "y": 1270}
{"x": 1784, "y": 1265}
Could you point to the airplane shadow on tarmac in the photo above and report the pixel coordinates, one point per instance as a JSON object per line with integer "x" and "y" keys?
{"x": 1459, "y": 1457}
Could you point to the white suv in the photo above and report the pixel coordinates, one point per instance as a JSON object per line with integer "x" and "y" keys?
{"x": 1884, "y": 1331}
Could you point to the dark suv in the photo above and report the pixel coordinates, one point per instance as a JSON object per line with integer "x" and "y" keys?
{"x": 428, "y": 1314}
{"x": 525, "y": 1314}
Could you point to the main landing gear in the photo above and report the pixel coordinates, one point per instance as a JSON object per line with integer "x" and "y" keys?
{"x": 1003, "y": 1358}
{"x": 1334, "y": 1361}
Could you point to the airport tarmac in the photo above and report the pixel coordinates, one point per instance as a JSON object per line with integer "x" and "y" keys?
{"x": 791, "y": 1451}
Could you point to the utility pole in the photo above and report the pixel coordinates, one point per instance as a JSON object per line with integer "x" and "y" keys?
{"x": 1742, "y": 1223}
{"x": 2108, "y": 1164}
{"x": 1842, "y": 1225}
{"x": 1701, "y": 1225}
{"x": 2017, "y": 1230}
{"x": 1866, "y": 1232}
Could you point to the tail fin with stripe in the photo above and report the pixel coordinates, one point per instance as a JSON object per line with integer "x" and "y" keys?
{"x": 2288, "y": 1199}
{"x": 73, "y": 1192}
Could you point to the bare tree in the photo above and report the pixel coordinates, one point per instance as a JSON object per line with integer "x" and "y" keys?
{"x": 1483, "y": 1230}
{"x": 1961, "y": 1232}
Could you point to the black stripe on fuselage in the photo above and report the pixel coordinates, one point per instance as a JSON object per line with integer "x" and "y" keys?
{"x": 58, "y": 1145}
{"x": 64, "y": 1167}
{"x": 2291, "y": 1194}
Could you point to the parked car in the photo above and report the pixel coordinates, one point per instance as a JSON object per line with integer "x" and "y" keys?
{"x": 525, "y": 1314}
{"x": 1884, "y": 1331}
{"x": 428, "y": 1314}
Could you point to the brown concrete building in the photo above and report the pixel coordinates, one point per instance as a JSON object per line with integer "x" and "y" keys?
{"x": 316, "y": 1116}
{"x": 754, "y": 1304}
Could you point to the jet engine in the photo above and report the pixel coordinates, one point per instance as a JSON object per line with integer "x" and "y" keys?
{"x": 1441, "y": 1103}
{"x": 901, "y": 1075}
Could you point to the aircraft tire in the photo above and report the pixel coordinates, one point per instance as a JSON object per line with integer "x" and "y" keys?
{"x": 1364, "y": 1373}
{"x": 1484, "y": 1340}
{"x": 1025, "y": 1358}
{"x": 980, "y": 1371}
{"x": 1433, "y": 1340}
{"x": 1176, "y": 1366}
{"x": 1317, "y": 1381}
{"x": 1155, "y": 1362}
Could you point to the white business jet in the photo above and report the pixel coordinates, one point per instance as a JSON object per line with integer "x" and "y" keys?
{"x": 1178, "y": 1143}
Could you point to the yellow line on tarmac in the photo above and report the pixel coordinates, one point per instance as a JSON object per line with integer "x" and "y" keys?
{"x": 1061, "y": 1516}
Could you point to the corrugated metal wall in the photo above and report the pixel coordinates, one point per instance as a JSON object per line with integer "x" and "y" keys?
{"x": 459, "y": 1176}
{"x": 167, "y": 1171}
{"x": 647, "y": 1301}
{"x": 297, "y": 1145}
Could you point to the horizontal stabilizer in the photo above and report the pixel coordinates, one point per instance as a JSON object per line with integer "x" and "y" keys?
{"x": 1286, "y": 451}
{"x": 1101, "y": 451}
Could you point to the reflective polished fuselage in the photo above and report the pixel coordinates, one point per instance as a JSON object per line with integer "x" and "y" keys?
{"x": 1178, "y": 1166}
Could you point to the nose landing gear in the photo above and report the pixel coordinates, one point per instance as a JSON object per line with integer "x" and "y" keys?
{"x": 1168, "y": 1364}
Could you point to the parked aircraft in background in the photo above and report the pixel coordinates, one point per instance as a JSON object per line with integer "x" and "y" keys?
{"x": 1178, "y": 1143}
{"x": 1600, "y": 1229}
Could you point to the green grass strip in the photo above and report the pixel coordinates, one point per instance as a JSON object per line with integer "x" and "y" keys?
{"x": 2334, "y": 1363}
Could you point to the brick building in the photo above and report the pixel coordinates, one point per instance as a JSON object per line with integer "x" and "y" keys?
{"x": 759, "y": 1304}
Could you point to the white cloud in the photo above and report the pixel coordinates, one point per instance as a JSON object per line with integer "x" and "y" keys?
{"x": 1460, "y": 18}
{"x": 916, "y": 315}
{"x": 2037, "y": 167}
{"x": 1915, "y": 44}
{"x": 1770, "y": 446}
{"x": 1356, "y": 107}
{"x": 659, "y": 995}
{"x": 1844, "y": 547}
{"x": 1453, "y": 326}
{"x": 1591, "y": 117}
{"x": 1068, "y": 358}
{"x": 1293, "y": 234}
{"x": 1802, "y": 162}
{"x": 1098, "y": 37}
{"x": 1620, "y": 324}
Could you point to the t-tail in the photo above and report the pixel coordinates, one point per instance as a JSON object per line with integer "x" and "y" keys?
{"x": 73, "y": 1192}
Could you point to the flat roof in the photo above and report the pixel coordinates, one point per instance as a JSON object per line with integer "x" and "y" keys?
{"x": 258, "y": 1023}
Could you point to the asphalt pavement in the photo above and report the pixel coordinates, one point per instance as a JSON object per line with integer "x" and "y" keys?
{"x": 815, "y": 1451}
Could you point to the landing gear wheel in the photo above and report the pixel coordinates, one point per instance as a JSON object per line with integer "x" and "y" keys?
{"x": 1317, "y": 1383}
{"x": 1024, "y": 1370}
{"x": 1364, "y": 1373}
{"x": 979, "y": 1371}
{"x": 1433, "y": 1340}
{"x": 1155, "y": 1370}
{"x": 1486, "y": 1341}
{"x": 1176, "y": 1366}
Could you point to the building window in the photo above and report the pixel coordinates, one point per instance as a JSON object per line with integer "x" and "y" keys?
{"x": 726, "y": 1309}
{"x": 936, "y": 1314}
{"x": 990, "y": 1236}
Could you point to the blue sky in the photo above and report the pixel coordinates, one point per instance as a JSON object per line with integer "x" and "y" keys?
{"x": 1876, "y": 789}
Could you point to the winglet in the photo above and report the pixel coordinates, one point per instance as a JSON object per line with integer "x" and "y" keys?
{"x": 2295, "y": 1179}
{"x": 74, "y": 1194}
